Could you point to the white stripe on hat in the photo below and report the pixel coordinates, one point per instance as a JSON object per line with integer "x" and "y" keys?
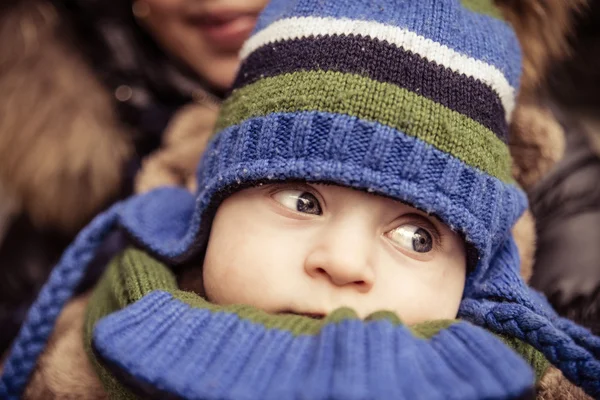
{"x": 301, "y": 27}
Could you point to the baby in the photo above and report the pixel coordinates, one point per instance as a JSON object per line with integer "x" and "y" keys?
{"x": 312, "y": 248}
{"x": 353, "y": 222}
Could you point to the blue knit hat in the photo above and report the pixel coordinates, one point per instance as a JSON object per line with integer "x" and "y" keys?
{"x": 409, "y": 99}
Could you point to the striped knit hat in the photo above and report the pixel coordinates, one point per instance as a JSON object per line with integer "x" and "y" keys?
{"x": 406, "y": 98}
{"x": 375, "y": 96}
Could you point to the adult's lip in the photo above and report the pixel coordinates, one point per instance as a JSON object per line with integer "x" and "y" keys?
{"x": 226, "y": 29}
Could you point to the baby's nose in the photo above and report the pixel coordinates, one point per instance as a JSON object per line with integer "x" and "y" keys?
{"x": 343, "y": 258}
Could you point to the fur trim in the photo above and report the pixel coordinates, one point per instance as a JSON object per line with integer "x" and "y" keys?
{"x": 554, "y": 386}
{"x": 62, "y": 148}
{"x": 543, "y": 28}
{"x": 184, "y": 142}
{"x": 536, "y": 143}
{"x": 64, "y": 370}
{"x": 525, "y": 238}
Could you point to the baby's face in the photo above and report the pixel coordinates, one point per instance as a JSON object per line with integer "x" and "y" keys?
{"x": 205, "y": 34}
{"x": 309, "y": 249}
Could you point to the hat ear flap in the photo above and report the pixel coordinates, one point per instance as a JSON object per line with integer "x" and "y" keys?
{"x": 572, "y": 349}
{"x": 509, "y": 307}
{"x": 580, "y": 335}
{"x": 161, "y": 221}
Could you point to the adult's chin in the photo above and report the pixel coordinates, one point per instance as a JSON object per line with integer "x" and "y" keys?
{"x": 218, "y": 70}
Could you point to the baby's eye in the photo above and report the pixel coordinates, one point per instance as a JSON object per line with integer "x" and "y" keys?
{"x": 412, "y": 238}
{"x": 298, "y": 200}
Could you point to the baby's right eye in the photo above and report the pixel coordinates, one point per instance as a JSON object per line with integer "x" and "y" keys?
{"x": 412, "y": 238}
{"x": 299, "y": 200}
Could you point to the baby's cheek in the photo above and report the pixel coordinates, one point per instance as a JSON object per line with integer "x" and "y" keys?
{"x": 428, "y": 309}
{"x": 443, "y": 287}
{"x": 227, "y": 282}
{"x": 446, "y": 297}
{"x": 220, "y": 283}
{"x": 420, "y": 298}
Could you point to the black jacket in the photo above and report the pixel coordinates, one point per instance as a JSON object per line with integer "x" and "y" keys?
{"x": 566, "y": 204}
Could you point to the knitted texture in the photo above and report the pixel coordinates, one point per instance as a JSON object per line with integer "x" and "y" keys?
{"x": 451, "y": 132}
{"x": 410, "y": 99}
{"x": 449, "y": 25}
{"x": 189, "y": 348}
{"x": 380, "y": 58}
{"x": 525, "y": 315}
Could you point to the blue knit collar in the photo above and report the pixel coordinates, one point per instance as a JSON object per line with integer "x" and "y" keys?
{"x": 199, "y": 354}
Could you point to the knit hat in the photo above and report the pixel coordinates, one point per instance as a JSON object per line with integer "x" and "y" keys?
{"x": 409, "y": 99}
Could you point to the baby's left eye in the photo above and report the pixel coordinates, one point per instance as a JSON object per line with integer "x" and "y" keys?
{"x": 412, "y": 238}
{"x": 300, "y": 201}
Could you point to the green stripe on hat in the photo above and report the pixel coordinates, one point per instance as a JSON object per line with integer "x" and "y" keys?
{"x": 364, "y": 98}
{"x": 486, "y": 7}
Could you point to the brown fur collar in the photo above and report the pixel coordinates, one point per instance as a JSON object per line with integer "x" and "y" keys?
{"x": 62, "y": 148}
{"x": 537, "y": 142}
{"x": 544, "y": 29}
{"x": 536, "y": 139}
{"x": 554, "y": 386}
{"x": 525, "y": 238}
{"x": 184, "y": 141}
{"x": 64, "y": 370}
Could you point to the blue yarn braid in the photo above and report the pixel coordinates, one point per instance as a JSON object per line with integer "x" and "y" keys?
{"x": 42, "y": 316}
{"x": 505, "y": 304}
{"x": 570, "y": 354}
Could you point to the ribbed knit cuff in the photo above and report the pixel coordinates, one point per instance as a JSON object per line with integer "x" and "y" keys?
{"x": 194, "y": 353}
